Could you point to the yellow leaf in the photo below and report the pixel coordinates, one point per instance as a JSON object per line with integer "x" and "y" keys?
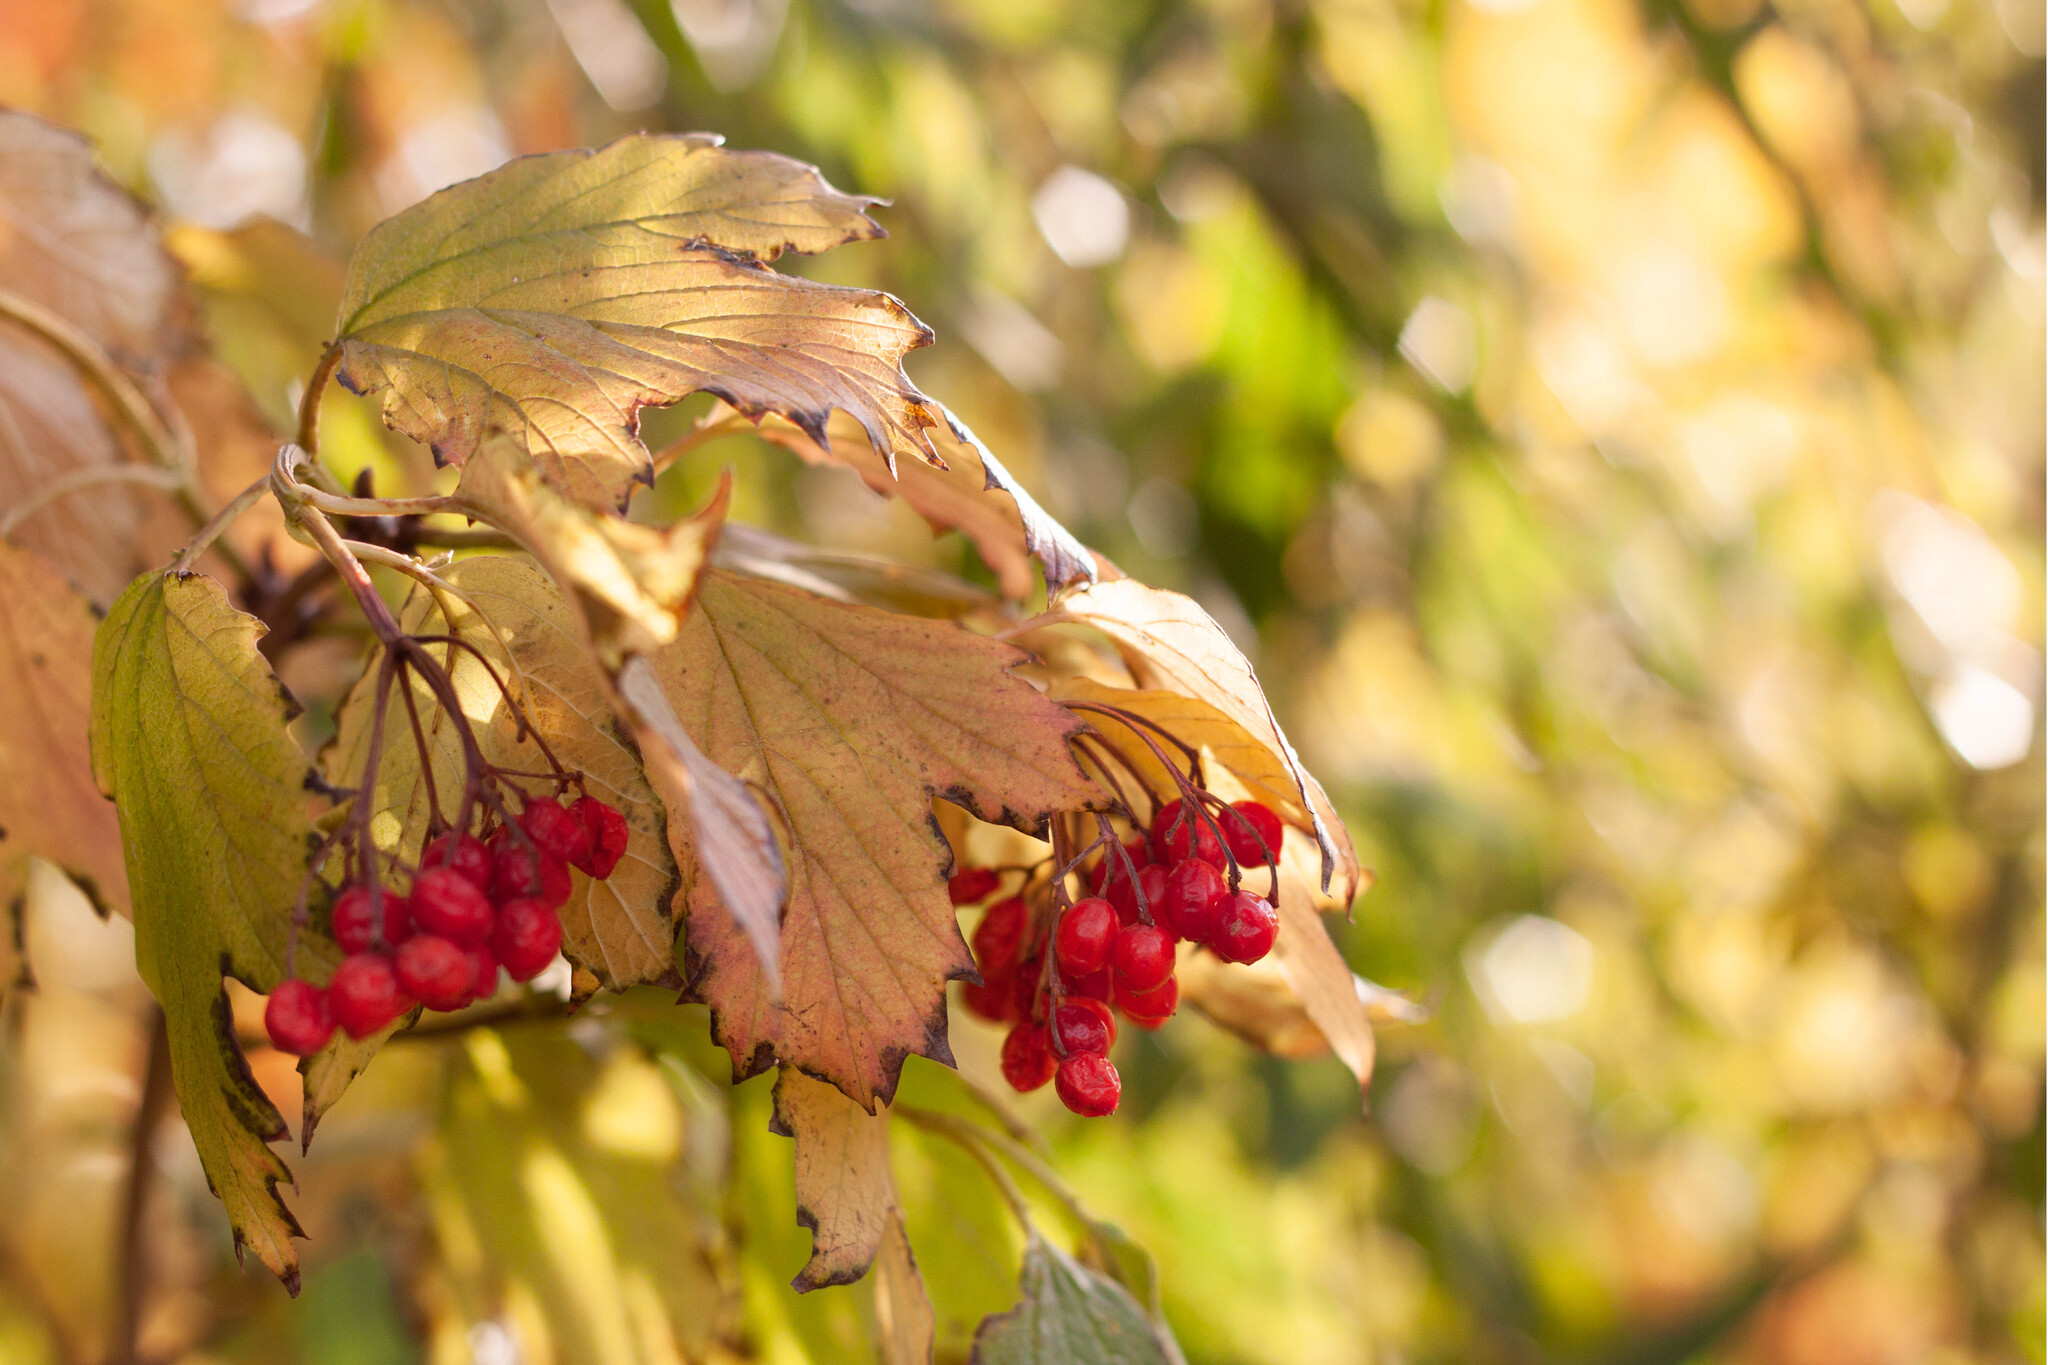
{"x": 849, "y": 720}
{"x": 556, "y": 296}
{"x": 845, "y": 1192}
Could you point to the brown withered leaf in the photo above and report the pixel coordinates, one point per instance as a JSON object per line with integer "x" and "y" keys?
{"x": 49, "y": 806}
{"x": 556, "y": 296}
{"x": 1171, "y": 645}
{"x": 845, "y": 1191}
{"x": 1316, "y": 972}
{"x": 1256, "y": 1003}
{"x": 905, "y": 1322}
{"x": 850, "y": 720}
{"x": 970, "y": 493}
{"x": 76, "y": 245}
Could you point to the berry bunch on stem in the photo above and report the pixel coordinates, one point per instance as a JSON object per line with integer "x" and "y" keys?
{"x": 1061, "y": 971}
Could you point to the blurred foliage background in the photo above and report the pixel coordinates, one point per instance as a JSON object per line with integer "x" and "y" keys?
{"x": 1614, "y": 427}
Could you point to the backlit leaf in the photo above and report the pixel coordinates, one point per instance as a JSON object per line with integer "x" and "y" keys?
{"x": 556, "y": 296}
{"x": 850, "y": 720}
{"x": 189, "y": 738}
{"x": 1317, "y": 973}
{"x": 905, "y": 1322}
{"x": 845, "y": 1193}
{"x": 1069, "y": 1315}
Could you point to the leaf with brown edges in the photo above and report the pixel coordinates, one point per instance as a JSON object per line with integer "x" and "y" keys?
{"x": 845, "y": 1192}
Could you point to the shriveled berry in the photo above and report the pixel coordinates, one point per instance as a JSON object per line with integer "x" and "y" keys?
{"x": 435, "y": 971}
{"x": 1246, "y": 928}
{"x": 1245, "y": 825}
{"x": 297, "y": 1017}
{"x": 364, "y": 994}
{"x": 548, "y": 823}
{"x": 1028, "y": 1062}
{"x": 995, "y": 999}
{"x": 1083, "y": 1025}
{"x": 1143, "y": 957}
{"x": 972, "y": 885}
{"x": 355, "y": 920}
{"x": 1088, "y": 1085}
{"x": 609, "y": 835}
{"x": 520, "y": 871}
{"x": 484, "y": 963}
{"x": 528, "y": 936}
{"x": 1151, "y": 881}
{"x": 448, "y": 903}
{"x": 471, "y": 857}
{"x": 1180, "y": 830}
{"x": 1194, "y": 896}
{"x": 1156, "y": 1005}
{"x": 1000, "y": 934}
{"x": 1081, "y": 943}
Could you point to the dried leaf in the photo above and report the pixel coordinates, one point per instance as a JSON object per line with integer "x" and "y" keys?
{"x": 850, "y": 720}
{"x": 850, "y": 577}
{"x": 1069, "y": 1315}
{"x": 49, "y": 806}
{"x": 556, "y": 296}
{"x": 1171, "y": 645}
{"x": 905, "y": 1322}
{"x": 1256, "y": 1003}
{"x": 845, "y": 1193}
{"x": 189, "y": 738}
{"x": 1315, "y": 970}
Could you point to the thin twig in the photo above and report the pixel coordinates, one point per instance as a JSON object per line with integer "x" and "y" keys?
{"x": 170, "y": 480}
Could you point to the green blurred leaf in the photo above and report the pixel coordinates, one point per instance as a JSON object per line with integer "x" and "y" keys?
{"x": 1070, "y": 1315}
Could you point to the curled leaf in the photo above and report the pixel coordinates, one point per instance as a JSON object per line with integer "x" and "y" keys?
{"x": 1316, "y": 972}
{"x": 845, "y": 1193}
{"x": 905, "y": 1323}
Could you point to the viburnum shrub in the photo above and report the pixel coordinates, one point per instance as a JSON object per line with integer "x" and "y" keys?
{"x": 666, "y": 756}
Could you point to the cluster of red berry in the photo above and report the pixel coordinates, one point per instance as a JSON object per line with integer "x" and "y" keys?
{"x": 1054, "y": 977}
{"x": 476, "y": 905}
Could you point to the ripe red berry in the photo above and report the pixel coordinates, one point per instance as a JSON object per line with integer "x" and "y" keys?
{"x": 999, "y": 935}
{"x": 553, "y": 829}
{"x": 995, "y": 999}
{"x": 1151, "y": 1007}
{"x": 354, "y": 920}
{"x": 484, "y": 963}
{"x": 435, "y": 971}
{"x": 1088, "y": 1085}
{"x": 1024, "y": 988}
{"x": 364, "y": 994}
{"x": 1246, "y": 928}
{"x": 471, "y": 857}
{"x": 448, "y": 903}
{"x": 1028, "y": 1062}
{"x": 297, "y": 1017}
{"x": 528, "y": 936}
{"x": 972, "y": 885}
{"x": 1143, "y": 956}
{"x": 1194, "y": 896}
{"x": 609, "y": 836}
{"x": 520, "y": 872}
{"x": 1151, "y": 881}
{"x": 1083, "y": 1025}
{"x": 1081, "y": 943}
{"x": 1111, "y": 870}
{"x": 1180, "y": 831}
{"x": 1245, "y": 824}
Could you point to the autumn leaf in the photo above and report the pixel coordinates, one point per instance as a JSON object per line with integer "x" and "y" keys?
{"x": 967, "y": 490}
{"x": 1171, "y": 645}
{"x": 848, "y": 576}
{"x": 845, "y": 1193}
{"x": 189, "y": 738}
{"x": 905, "y": 1322}
{"x": 1069, "y": 1315}
{"x": 76, "y": 246}
{"x": 850, "y": 720}
{"x": 49, "y": 807}
{"x": 556, "y": 296}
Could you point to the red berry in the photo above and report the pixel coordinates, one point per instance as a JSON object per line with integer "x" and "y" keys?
{"x": 972, "y": 885}
{"x": 1095, "y": 986}
{"x": 484, "y": 963}
{"x": 608, "y": 836}
{"x": 1083, "y": 1025}
{"x": 553, "y": 829}
{"x": 354, "y": 920}
{"x": 1081, "y": 943}
{"x": 297, "y": 1017}
{"x": 1111, "y": 870}
{"x": 1155, "y": 1006}
{"x": 435, "y": 971}
{"x": 1244, "y": 825}
{"x": 1245, "y": 930}
{"x": 1143, "y": 955}
{"x": 522, "y": 872}
{"x": 1025, "y": 991}
{"x": 1088, "y": 1085}
{"x": 1151, "y": 881}
{"x": 1139, "y": 1021}
{"x": 472, "y": 858}
{"x": 365, "y": 995}
{"x": 1181, "y": 826}
{"x": 995, "y": 999}
{"x": 999, "y": 935}
{"x": 1028, "y": 1062}
{"x": 528, "y": 936}
{"x": 1194, "y": 896}
{"x": 448, "y": 903}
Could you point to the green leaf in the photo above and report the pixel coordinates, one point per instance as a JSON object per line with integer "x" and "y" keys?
{"x": 556, "y": 296}
{"x": 1069, "y": 1315}
{"x": 189, "y": 738}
